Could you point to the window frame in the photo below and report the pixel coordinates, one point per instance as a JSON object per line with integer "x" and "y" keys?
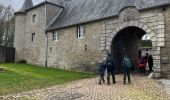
{"x": 33, "y": 36}
{"x": 55, "y": 36}
{"x": 80, "y": 31}
{"x": 34, "y": 18}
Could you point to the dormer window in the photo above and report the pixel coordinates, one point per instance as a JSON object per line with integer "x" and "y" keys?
{"x": 34, "y": 18}
{"x": 55, "y": 36}
{"x": 80, "y": 31}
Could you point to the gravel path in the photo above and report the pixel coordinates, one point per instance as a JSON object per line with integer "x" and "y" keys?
{"x": 88, "y": 89}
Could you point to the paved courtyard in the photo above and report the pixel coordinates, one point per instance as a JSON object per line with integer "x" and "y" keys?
{"x": 89, "y": 89}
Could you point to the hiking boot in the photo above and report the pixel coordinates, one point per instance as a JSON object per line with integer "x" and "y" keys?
{"x": 104, "y": 82}
{"x": 114, "y": 82}
{"x": 100, "y": 83}
{"x": 129, "y": 82}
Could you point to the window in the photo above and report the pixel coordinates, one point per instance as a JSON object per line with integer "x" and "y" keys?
{"x": 80, "y": 31}
{"x": 33, "y": 37}
{"x": 34, "y": 18}
{"x": 55, "y": 36}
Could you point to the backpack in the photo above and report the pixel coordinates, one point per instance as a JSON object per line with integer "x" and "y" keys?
{"x": 127, "y": 63}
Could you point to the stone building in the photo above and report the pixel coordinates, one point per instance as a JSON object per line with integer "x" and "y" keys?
{"x": 77, "y": 34}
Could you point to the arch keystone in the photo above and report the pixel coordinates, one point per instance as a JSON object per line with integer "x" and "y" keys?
{"x": 131, "y": 23}
{"x": 145, "y": 27}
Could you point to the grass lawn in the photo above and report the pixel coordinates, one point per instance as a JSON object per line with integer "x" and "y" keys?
{"x": 24, "y": 77}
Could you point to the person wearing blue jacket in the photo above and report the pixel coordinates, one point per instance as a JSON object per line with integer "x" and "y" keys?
{"x": 102, "y": 69}
{"x": 126, "y": 65}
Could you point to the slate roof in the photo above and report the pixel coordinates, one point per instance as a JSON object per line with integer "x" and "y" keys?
{"x": 27, "y": 5}
{"x": 55, "y": 1}
{"x": 82, "y": 11}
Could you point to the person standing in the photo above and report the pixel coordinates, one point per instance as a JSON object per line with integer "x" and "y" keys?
{"x": 102, "y": 69}
{"x": 150, "y": 62}
{"x": 146, "y": 57}
{"x": 110, "y": 69}
{"x": 142, "y": 65}
{"x": 126, "y": 65}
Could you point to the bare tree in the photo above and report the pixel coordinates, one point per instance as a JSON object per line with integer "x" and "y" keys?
{"x": 7, "y": 26}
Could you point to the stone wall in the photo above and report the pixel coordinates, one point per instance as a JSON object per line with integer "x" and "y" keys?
{"x": 151, "y": 21}
{"x": 69, "y": 52}
{"x": 165, "y": 51}
{"x": 19, "y": 35}
{"x": 34, "y": 52}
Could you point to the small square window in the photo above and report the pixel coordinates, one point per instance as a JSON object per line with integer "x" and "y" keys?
{"x": 55, "y": 36}
{"x": 34, "y": 18}
{"x": 33, "y": 37}
{"x": 80, "y": 31}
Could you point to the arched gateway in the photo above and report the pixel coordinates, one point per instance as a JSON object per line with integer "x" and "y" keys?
{"x": 125, "y": 39}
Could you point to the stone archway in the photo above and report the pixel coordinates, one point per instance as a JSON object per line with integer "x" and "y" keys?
{"x": 126, "y": 41}
{"x": 153, "y": 35}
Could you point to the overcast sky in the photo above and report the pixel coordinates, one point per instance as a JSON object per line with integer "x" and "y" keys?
{"x": 17, "y": 4}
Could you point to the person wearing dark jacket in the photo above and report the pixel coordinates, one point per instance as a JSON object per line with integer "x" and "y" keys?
{"x": 110, "y": 69}
{"x": 102, "y": 69}
{"x": 126, "y": 65}
{"x": 150, "y": 62}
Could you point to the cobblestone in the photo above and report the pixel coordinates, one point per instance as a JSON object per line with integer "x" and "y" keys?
{"x": 89, "y": 89}
{"x": 166, "y": 85}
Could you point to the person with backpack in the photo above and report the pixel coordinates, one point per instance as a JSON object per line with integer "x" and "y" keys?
{"x": 110, "y": 69}
{"x": 126, "y": 65}
{"x": 102, "y": 69}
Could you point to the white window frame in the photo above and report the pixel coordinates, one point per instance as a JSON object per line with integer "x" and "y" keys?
{"x": 33, "y": 35}
{"x": 80, "y": 31}
{"x": 34, "y": 18}
{"x": 55, "y": 36}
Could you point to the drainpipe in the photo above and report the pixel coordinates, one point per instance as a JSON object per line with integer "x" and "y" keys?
{"x": 46, "y": 47}
{"x": 105, "y": 33}
{"x": 46, "y": 55}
